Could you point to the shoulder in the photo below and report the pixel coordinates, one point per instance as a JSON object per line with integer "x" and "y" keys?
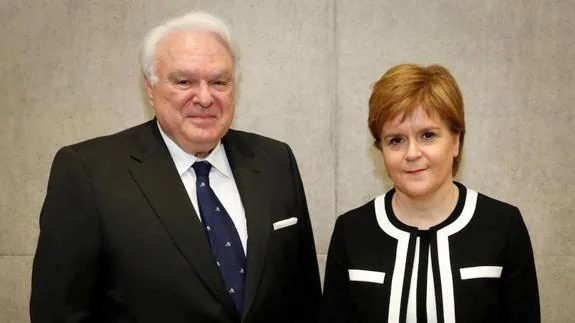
{"x": 360, "y": 231}
{"x": 113, "y": 141}
{"x": 108, "y": 147}
{"x": 362, "y": 216}
{"x": 253, "y": 140}
{"x": 492, "y": 213}
{"x": 495, "y": 207}
{"x": 250, "y": 144}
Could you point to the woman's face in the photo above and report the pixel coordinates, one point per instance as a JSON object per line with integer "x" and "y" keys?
{"x": 418, "y": 153}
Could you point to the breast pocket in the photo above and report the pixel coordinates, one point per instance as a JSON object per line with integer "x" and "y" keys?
{"x": 369, "y": 293}
{"x": 282, "y": 252}
{"x": 479, "y": 290}
{"x": 284, "y": 238}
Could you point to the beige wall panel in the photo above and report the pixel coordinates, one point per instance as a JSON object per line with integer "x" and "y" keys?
{"x": 558, "y": 273}
{"x": 321, "y": 259}
{"x": 14, "y": 294}
{"x": 514, "y": 63}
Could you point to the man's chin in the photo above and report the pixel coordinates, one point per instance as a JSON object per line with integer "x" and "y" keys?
{"x": 204, "y": 136}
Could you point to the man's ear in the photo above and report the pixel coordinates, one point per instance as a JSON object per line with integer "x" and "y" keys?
{"x": 149, "y": 90}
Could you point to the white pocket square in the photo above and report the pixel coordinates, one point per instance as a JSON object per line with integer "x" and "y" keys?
{"x": 285, "y": 223}
{"x": 480, "y": 272}
{"x": 368, "y": 276}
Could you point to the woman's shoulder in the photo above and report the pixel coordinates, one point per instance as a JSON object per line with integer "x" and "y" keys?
{"x": 359, "y": 213}
{"x": 493, "y": 204}
{"x": 490, "y": 207}
{"x": 360, "y": 226}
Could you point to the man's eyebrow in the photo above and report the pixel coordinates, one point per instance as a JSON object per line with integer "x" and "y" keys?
{"x": 223, "y": 74}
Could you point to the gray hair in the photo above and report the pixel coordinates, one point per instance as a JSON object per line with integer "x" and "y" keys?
{"x": 195, "y": 20}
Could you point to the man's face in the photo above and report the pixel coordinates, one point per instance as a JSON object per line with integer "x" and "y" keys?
{"x": 194, "y": 97}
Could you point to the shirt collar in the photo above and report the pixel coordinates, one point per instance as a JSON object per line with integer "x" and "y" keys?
{"x": 184, "y": 160}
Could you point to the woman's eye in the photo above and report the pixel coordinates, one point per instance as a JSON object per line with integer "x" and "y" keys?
{"x": 395, "y": 141}
{"x": 428, "y": 135}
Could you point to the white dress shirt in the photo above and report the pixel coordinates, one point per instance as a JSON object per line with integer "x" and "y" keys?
{"x": 221, "y": 181}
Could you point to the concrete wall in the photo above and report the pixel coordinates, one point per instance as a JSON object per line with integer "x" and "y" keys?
{"x": 69, "y": 72}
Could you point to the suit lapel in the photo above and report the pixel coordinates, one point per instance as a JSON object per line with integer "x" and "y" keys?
{"x": 249, "y": 180}
{"x": 154, "y": 172}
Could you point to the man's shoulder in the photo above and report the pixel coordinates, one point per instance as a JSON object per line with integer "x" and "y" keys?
{"x": 114, "y": 139}
{"x": 252, "y": 138}
{"x": 254, "y": 142}
{"x": 118, "y": 143}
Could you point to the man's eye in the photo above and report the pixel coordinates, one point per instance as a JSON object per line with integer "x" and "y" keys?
{"x": 182, "y": 82}
{"x": 428, "y": 135}
{"x": 219, "y": 83}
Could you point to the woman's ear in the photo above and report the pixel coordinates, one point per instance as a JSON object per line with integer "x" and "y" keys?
{"x": 457, "y": 144}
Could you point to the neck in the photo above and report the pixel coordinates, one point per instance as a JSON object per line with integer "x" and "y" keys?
{"x": 202, "y": 155}
{"x": 200, "y": 151}
{"x": 427, "y": 211}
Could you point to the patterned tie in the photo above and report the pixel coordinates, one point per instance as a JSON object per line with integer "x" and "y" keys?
{"x": 221, "y": 231}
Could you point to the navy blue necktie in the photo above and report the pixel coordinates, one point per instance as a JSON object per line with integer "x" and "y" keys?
{"x": 221, "y": 231}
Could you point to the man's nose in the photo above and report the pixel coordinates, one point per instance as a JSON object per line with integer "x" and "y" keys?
{"x": 203, "y": 96}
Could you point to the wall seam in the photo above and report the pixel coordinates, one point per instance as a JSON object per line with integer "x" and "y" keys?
{"x": 335, "y": 118}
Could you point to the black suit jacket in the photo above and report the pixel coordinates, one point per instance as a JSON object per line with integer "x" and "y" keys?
{"x": 120, "y": 240}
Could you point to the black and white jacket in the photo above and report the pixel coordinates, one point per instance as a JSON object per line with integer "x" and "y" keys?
{"x": 476, "y": 266}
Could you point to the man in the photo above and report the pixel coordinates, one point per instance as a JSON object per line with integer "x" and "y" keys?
{"x": 180, "y": 219}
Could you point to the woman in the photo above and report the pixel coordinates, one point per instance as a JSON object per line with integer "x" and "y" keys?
{"x": 430, "y": 249}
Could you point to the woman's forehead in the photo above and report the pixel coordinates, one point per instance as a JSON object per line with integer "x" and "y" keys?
{"x": 415, "y": 113}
